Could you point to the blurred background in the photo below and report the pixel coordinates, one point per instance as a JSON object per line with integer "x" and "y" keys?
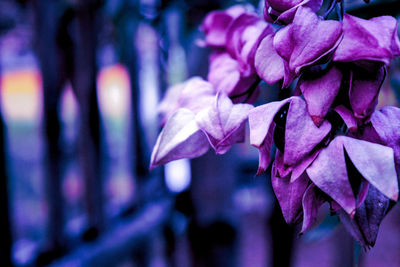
{"x": 80, "y": 81}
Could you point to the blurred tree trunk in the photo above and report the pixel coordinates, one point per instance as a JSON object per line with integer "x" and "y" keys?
{"x": 52, "y": 79}
{"x": 84, "y": 84}
{"x": 5, "y": 227}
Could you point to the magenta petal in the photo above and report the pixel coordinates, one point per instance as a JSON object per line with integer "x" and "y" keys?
{"x": 282, "y": 170}
{"x": 223, "y": 123}
{"x": 364, "y": 91}
{"x": 261, "y": 119}
{"x": 225, "y": 76}
{"x": 243, "y": 37}
{"x": 301, "y": 134}
{"x": 180, "y": 138}
{"x": 320, "y": 91}
{"x": 215, "y": 27}
{"x": 373, "y": 40}
{"x": 290, "y": 196}
{"x": 264, "y": 153}
{"x": 261, "y": 130}
{"x": 312, "y": 201}
{"x": 375, "y": 163}
{"x": 301, "y": 167}
{"x": 365, "y": 225}
{"x": 307, "y": 40}
{"x": 194, "y": 94}
{"x": 386, "y": 123}
{"x": 269, "y": 65}
{"x": 347, "y": 117}
{"x": 328, "y": 172}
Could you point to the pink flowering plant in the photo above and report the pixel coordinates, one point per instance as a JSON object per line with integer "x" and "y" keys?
{"x": 332, "y": 145}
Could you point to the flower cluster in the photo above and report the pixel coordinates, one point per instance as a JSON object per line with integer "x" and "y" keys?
{"x": 332, "y": 145}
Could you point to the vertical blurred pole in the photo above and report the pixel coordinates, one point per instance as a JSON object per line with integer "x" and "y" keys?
{"x": 48, "y": 54}
{"x": 127, "y": 25}
{"x": 5, "y": 227}
{"x": 84, "y": 84}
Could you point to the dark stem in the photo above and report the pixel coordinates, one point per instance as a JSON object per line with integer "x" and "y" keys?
{"x": 340, "y": 10}
{"x": 332, "y": 5}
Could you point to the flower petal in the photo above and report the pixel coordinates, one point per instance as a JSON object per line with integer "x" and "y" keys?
{"x": 328, "y": 172}
{"x": 364, "y": 90}
{"x": 365, "y": 225}
{"x": 290, "y": 196}
{"x": 373, "y": 40}
{"x": 180, "y": 138}
{"x": 312, "y": 201}
{"x": 320, "y": 90}
{"x": 375, "y": 163}
{"x": 307, "y": 40}
{"x": 269, "y": 65}
{"x": 223, "y": 123}
{"x": 386, "y": 123}
{"x": 301, "y": 134}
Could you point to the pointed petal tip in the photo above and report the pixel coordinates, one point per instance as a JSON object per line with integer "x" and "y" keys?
{"x": 260, "y": 171}
{"x": 317, "y": 120}
{"x": 395, "y": 197}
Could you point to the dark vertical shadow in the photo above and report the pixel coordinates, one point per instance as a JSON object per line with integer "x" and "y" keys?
{"x": 5, "y": 226}
{"x": 84, "y": 85}
{"x": 52, "y": 80}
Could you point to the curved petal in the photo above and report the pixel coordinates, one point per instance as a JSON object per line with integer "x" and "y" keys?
{"x": 301, "y": 134}
{"x": 312, "y": 201}
{"x": 180, "y": 138}
{"x": 373, "y": 40}
{"x": 223, "y": 123}
{"x": 328, "y": 172}
{"x": 375, "y": 163}
{"x": 290, "y": 196}
{"x": 269, "y": 65}
{"x": 307, "y": 40}
{"x": 364, "y": 90}
{"x": 320, "y": 90}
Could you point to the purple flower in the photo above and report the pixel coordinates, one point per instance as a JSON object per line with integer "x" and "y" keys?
{"x": 224, "y": 123}
{"x": 292, "y": 124}
{"x": 216, "y": 23}
{"x": 374, "y": 163}
{"x": 307, "y": 41}
{"x": 269, "y": 65}
{"x": 277, "y": 11}
{"x": 385, "y": 129}
{"x": 225, "y": 76}
{"x": 364, "y": 226}
{"x": 320, "y": 89}
{"x": 194, "y": 94}
{"x": 368, "y": 40}
{"x": 180, "y": 138}
{"x": 243, "y": 37}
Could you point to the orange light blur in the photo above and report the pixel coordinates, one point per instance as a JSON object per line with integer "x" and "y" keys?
{"x": 114, "y": 90}
{"x": 21, "y": 95}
